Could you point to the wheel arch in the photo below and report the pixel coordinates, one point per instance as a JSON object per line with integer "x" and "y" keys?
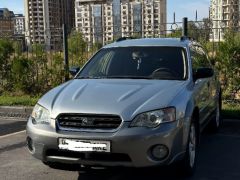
{"x": 195, "y": 118}
{"x": 192, "y": 114}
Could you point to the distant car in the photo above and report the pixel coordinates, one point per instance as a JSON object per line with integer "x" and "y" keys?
{"x": 136, "y": 103}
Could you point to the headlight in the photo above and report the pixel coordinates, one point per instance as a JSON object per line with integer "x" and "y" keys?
{"x": 40, "y": 115}
{"x": 153, "y": 119}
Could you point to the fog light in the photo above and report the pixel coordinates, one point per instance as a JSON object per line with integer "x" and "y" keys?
{"x": 30, "y": 144}
{"x": 159, "y": 152}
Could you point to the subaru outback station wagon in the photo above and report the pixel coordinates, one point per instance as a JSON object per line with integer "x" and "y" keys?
{"x": 136, "y": 103}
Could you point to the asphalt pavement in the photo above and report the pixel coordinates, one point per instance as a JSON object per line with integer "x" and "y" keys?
{"x": 218, "y": 159}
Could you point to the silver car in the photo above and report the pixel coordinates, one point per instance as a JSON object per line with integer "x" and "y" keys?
{"x": 136, "y": 103}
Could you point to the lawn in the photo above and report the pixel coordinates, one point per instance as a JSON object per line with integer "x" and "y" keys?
{"x": 231, "y": 110}
{"x": 25, "y": 100}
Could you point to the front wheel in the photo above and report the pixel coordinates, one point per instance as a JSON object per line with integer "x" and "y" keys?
{"x": 188, "y": 164}
{"x": 216, "y": 120}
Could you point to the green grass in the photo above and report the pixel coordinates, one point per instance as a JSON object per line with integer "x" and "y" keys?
{"x": 25, "y": 100}
{"x": 231, "y": 110}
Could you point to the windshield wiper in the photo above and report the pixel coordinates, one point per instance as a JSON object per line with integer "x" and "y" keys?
{"x": 167, "y": 78}
{"x": 128, "y": 77}
{"x": 90, "y": 77}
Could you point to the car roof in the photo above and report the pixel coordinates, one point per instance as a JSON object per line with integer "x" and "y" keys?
{"x": 168, "y": 42}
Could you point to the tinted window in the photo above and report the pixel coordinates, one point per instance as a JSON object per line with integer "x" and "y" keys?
{"x": 137, "y": 62}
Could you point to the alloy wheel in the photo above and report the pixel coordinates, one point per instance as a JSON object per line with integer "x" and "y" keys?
{"x": 192, "y": 145}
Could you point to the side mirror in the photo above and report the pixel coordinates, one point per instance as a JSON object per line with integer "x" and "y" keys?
{"x": 203, "y": 73}
{"x": 74, "y": 70}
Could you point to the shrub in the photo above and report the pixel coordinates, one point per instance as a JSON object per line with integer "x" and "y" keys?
{"x": 22, "y": 74}
{"x": 6, "y": 49}
{"x": 228, "y": 64}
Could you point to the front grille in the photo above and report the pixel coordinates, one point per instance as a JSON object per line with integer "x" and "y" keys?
{"x": 78, "y": 121}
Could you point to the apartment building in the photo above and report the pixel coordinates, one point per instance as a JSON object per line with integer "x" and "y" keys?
{"x": 19, "y": 24}
{"x": 44, "y": 20}
{"x": 224, "y": 14}
{"x": 105, "y": 20}
{"x": 145, "y": 17}
{"x": 6, "y": 22}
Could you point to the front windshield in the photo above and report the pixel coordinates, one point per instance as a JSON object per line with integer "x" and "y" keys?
{"x": 167, "y": 63}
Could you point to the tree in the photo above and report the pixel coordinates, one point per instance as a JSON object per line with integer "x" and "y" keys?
{"x": 228, "y": 64}
{"x": 22, "y": 74}
{"x": 56, "y": 70}
{"x": 17, "y": 46}
{"x": 6, "y": 49}
{"x": 177, "y": 33}
{"x": 77, "y": 49}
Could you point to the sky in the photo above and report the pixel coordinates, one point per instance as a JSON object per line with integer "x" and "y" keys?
{"x": 182, "y": 8}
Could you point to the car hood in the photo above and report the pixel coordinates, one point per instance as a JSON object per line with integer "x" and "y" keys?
{"x": 125, "y": 98}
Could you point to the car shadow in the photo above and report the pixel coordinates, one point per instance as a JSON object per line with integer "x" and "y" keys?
{"x": 214, "y": 149}
{"x": 166, "y": 173}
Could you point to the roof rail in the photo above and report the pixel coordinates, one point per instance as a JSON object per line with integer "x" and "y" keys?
{"x": 184, "y": 38}
{"x": 123, "y": 39}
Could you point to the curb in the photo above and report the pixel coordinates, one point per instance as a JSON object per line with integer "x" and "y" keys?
{"x": 15, "y": 112}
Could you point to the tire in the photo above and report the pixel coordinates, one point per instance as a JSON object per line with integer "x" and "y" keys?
{"x": 216, "y": 121}
{"x": 188, "y": 164}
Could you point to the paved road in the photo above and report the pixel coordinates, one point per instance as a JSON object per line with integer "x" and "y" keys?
{"x": 218, "y": 159}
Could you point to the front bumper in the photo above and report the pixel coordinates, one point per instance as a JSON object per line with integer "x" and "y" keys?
{"x": 130, "y": 147}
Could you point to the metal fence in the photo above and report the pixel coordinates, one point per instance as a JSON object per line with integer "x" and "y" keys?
{"x": 43, "y": 62}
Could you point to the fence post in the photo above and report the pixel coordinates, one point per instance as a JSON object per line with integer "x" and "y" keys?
{"x": 185, "y": 27}
{"x": 65, "y": 51}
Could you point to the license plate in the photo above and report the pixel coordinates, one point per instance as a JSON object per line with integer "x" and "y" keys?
{"x": 84, "y": 145}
